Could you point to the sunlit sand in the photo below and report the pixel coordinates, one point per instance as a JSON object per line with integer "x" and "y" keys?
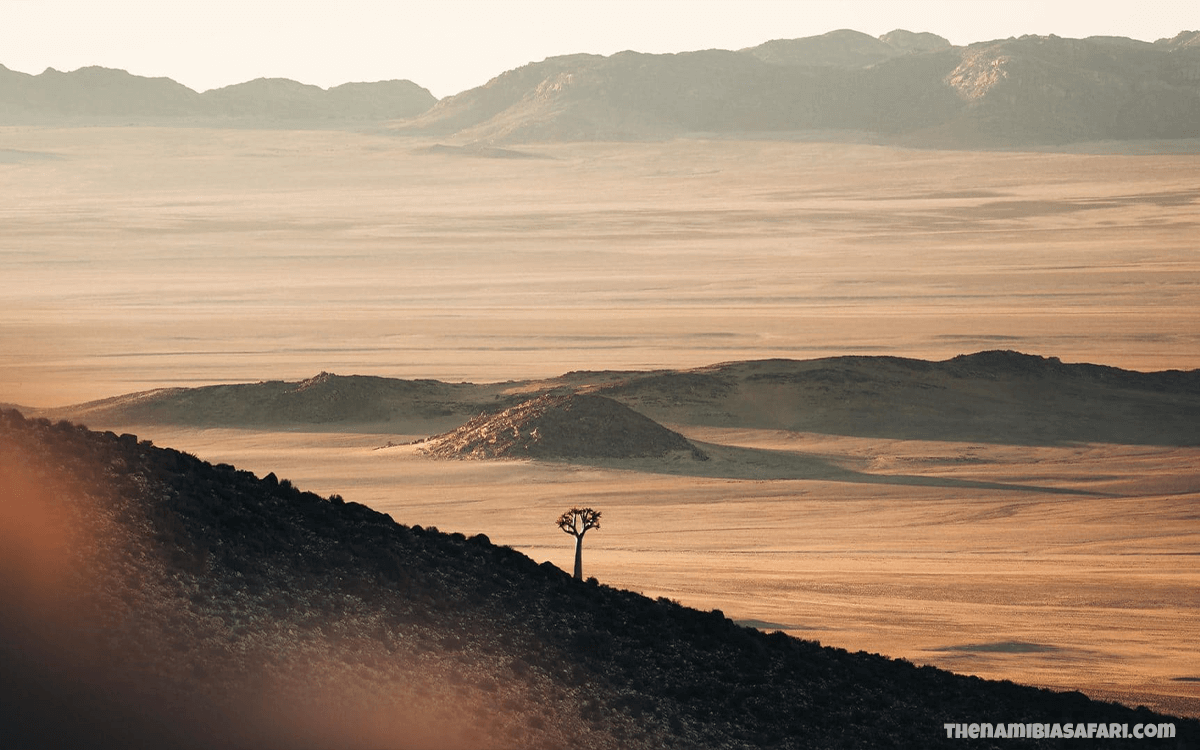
{"x": 141, "y": 257}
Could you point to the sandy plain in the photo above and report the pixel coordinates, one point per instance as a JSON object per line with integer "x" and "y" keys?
{"x": 141, "y": 258}
{"x": 134, "y": 258}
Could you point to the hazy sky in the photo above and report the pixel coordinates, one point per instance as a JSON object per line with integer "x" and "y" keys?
{"x": 451, "y": 45}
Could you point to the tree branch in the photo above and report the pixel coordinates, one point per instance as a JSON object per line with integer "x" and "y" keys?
{"x": 577, "y": 521}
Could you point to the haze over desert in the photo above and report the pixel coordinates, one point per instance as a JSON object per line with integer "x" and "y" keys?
{"x": 937, "y": 404}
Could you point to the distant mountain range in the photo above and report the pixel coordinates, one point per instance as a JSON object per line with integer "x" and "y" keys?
{"x": 909, "y": 88}
{"x": 903, "y": 87}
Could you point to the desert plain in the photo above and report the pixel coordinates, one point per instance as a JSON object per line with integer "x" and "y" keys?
{"x": 142, "y": 258}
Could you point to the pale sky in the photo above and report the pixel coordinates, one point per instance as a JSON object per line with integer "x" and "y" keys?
{"x": 448, "y": 46}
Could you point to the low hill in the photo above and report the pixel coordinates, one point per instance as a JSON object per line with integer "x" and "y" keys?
{"x": 562, "y": 426}
{"x": 993, "y": 397}
{"x": 149, "y": 599}
{"x": 96, "y": 95}
{"x": 324, "y": 400}
{"x": 268, "y": 99}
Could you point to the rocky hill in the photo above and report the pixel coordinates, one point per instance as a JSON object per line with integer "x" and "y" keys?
{"x": 903, "y": 87}
{"x": 96, "y": 95}
{"x": 149, "y": 599}
{"x": 1054, "y": 90}
{"x": 562, "y": 426}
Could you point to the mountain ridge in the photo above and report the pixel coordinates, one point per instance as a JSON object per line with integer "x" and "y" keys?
{"x": 904, "y": 88}
{"x": 1027, "y": 91}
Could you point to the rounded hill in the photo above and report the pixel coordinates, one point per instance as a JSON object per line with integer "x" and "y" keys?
{"x": 562, "y": 426}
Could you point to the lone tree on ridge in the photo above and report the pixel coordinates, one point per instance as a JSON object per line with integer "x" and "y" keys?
{"x": 576, "y": 522}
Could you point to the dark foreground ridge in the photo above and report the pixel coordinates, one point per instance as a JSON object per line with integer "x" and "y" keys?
{"x": 149, "y": 599}
{"x": 568, "y": 425}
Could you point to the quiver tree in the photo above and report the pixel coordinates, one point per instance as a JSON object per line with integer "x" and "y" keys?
{"x": 576, "y": 522}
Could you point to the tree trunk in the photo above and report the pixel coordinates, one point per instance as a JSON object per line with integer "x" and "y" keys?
{"x": 579, "y": 557}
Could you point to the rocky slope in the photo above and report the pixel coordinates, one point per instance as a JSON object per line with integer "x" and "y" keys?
{"x": 149, "y": 599}
{"x": 635, "y": 96}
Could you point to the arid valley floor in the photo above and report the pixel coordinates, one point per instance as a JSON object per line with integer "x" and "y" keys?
{"x": 143, "y": 258}
{"x": 140, "y": 258}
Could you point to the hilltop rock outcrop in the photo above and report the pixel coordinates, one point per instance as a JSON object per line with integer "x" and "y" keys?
{"x": 562, "y": 426}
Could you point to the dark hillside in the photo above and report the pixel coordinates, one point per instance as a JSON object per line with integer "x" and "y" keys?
{"x": 150, "y": 599}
